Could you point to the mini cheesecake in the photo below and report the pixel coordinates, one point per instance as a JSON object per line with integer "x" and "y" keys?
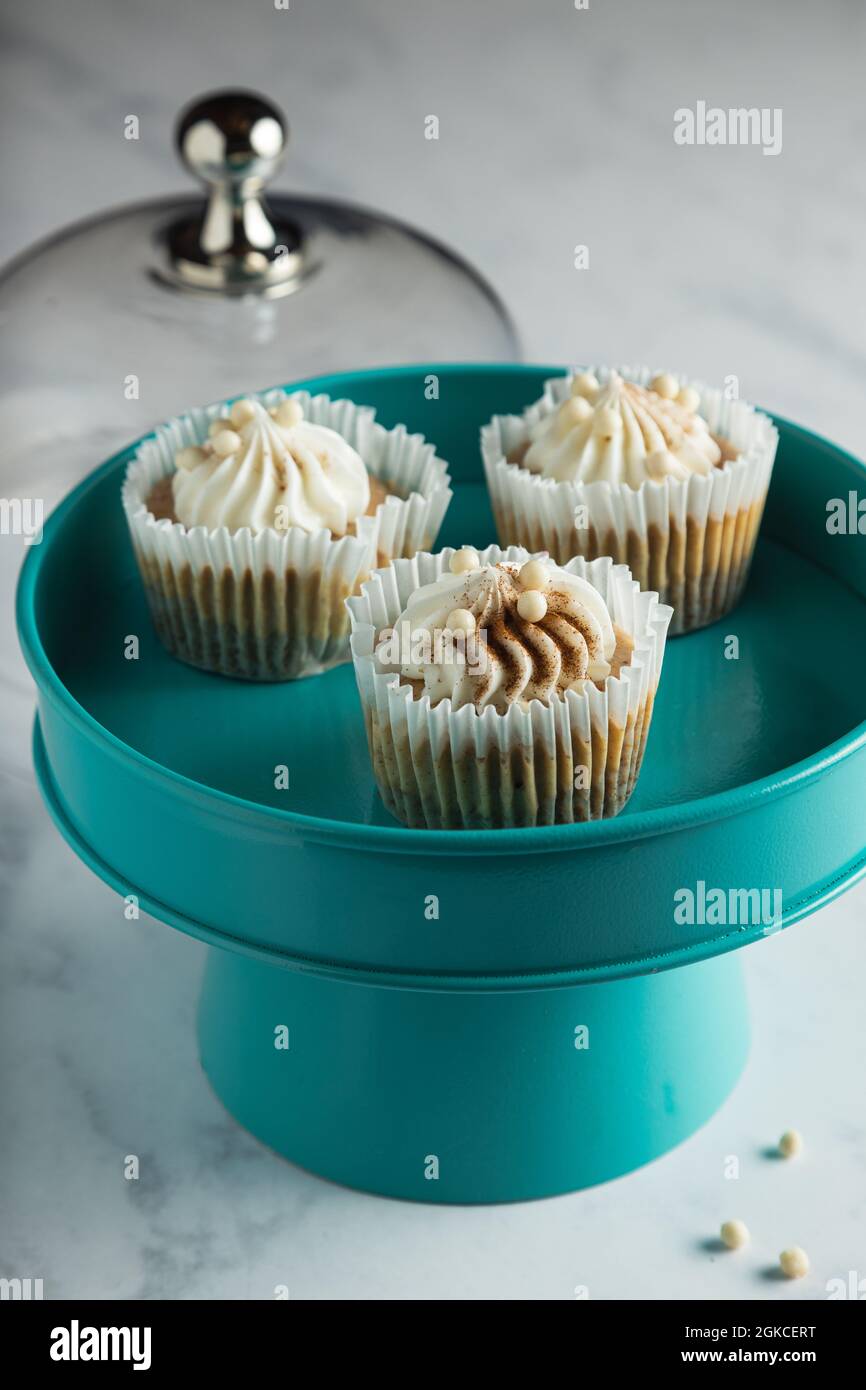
{"x": 504, "y": 689}
{"x": 650, "y": 470}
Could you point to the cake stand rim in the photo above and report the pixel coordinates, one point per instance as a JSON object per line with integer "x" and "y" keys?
{"x": 385, "y": 977}
{"x": 397, "y": 838}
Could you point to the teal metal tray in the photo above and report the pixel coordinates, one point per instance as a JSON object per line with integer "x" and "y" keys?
{"x": 435, "y": 985}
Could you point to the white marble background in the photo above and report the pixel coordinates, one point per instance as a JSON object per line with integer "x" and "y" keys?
{"x": 556, "y": 128}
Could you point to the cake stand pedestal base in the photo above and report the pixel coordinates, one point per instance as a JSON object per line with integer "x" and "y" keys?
{"x": 488, "y": 1096}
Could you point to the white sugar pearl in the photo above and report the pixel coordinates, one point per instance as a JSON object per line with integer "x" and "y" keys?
{"x": 734, "y": 1234}
{"x": 241, "y": 412}
{"x": 189, "y": 458}
{"x": 688, "y": 398}
{"x": 460, "y": 620}
{"x": 791, "y": 1143}
{"x": 572, "y": 413}
{"x": 665, "y": 385}
{"x": 226, "y": 443}
{"x": 659, "y": 464}
{"x": 599, "y": 670}
{"x": 794, "y": 1262}
{"x": 532, "y": 606}
{"x": 288, "y": 413}
{"x": 535, "y": 575}
{"x": 464, "y": 560}
{"x": 585, "y": 384}
{"x": 217, "y": 426}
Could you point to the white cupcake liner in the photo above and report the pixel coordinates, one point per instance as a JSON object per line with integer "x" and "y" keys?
{"x": 272, "y": 606}
{"x": 438, "y": 768}
{"x": 690, "y": 541}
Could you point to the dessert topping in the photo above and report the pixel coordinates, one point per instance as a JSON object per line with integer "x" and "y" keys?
{"x": 270, "y": 469}
{"x": 534, "y": 631}
{"x": 624, "y": 433}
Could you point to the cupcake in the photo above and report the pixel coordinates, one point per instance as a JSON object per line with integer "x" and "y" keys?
{"x": 665, "y": 476}
{"x": 252, "y": 523}
{"x": 504, "y": 690}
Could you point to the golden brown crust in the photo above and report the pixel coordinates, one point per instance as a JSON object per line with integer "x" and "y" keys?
{"x": 519, "y": 787}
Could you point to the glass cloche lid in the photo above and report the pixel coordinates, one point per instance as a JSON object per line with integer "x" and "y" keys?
{"x": 137, "y": 314}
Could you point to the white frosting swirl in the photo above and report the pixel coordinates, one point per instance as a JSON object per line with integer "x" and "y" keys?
{"x": 270, "y": 469}
{"x": 511, "y": 657}
{"x": 623, "y": 433}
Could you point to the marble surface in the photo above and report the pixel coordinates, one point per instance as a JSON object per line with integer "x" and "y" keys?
{"x": 556, "y": 129}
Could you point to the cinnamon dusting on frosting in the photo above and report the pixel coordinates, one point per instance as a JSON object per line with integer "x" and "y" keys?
{"x": 571, "y": 642}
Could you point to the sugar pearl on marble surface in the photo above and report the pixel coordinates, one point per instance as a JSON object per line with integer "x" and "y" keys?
{"x": 585, "y": 384}
{"x": 217, "y": 426}
{"x": 534, "y": 575}
{"x": 226, "y": 443}
{"x": 464, "y": 560}
{"x": 665, "y": 385}
{"x": 460, "y": 620}
{"x": 688, "y": 398}
{"x": 288, "y": 413}
{"x": 532, "y": 606}
{"x": 241, "y": 412}
{"x": 189, "y": 458}
{"x": 791, "y": 1143}
{"x": 734, "y": 1234}
{"x": 794, "y": 1262}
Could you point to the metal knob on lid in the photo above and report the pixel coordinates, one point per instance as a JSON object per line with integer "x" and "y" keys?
{"x": 234, "y": 141}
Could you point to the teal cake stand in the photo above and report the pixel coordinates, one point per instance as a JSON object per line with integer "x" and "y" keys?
{"x": 464, "y": 1016}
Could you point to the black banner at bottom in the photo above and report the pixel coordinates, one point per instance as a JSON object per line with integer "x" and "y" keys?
{"x": 64, "y": 1337}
